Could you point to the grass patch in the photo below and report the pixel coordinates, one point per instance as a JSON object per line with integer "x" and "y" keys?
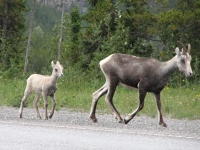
{"x": 75, "y": 92}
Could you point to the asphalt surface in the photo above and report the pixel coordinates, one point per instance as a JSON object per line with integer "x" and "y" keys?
{"x": 36, "y": 136}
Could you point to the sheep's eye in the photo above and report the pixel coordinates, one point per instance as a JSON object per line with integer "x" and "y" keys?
{"x": 183, "y": 61}
{"x": 56, "y": 70}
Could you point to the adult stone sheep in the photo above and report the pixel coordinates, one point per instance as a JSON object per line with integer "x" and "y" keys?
{"x": 45, "y": 86}
{"x": 144, "y": 74}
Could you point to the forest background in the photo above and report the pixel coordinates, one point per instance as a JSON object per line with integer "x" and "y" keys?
{"x": 79, "y": 33}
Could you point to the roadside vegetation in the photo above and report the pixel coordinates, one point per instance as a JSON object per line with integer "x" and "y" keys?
{"x": 75, "y": 92}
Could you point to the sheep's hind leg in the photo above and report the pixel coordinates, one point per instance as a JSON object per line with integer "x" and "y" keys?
{"x": 109, "y": 101}
{"x": 26, "y": 95}
{"x": 22, "y": 105}
{"x": 37, "y": 96}
{"x": 45, "y": 105}
{"x": 96, "y": 96}
{"x": 53, "y": 107}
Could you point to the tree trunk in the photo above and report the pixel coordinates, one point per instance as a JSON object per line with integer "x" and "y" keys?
{"x": 61, "y": 26}
{"x": 30, "y": 35}
{"x": 5, "y": 28}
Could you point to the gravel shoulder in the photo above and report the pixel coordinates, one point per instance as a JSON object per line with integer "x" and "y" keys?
{"x": 70, "y": 119}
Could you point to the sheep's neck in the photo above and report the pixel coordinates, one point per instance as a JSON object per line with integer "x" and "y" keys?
{"x": 169, "y": 67}
{"x": 54, "y": 79}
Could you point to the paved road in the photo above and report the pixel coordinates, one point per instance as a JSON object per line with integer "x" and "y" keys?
{"x": 32, "y": 136}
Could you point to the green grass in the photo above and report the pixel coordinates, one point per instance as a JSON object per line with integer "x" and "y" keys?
{"x": 75, "y": 92}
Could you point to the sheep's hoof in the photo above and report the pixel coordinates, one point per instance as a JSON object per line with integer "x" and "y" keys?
{"x": 120, "y": 121}
{"x": 163, "y": 124}
{"x": 94, "y": 120}
{"x": 39, "y": 117}
{"x": 126, "y": 121}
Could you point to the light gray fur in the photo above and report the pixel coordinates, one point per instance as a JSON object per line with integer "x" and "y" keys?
{"x": 45, "y": 86}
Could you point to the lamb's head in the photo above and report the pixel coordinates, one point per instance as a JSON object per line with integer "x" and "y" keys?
{"x": 57, "y": 69}
{"x": 184, "y": 59}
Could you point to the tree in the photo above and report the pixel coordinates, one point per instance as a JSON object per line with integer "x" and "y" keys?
{"x": 12, "y": 27}
{"x": 117, "y": 26}
{"x": 41, "y": 53}
{"x": 61, "y": 27}
{"x": 74, "y": 38}
{"x": 30, "y": 35}
{"x": 137, "y": 17}
{"x": 180, "y": 23}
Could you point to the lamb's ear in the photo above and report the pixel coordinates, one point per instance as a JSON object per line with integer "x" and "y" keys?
{"x": 177, "y": 51}
{"x": 57, "y": 62}
{"x": 52, "y": 63}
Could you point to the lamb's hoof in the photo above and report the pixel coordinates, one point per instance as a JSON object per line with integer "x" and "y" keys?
{"x": 120, "y": 121}
{"x": 50, "y": 116}
{"x": 39, "y": 117}
{"x": 163, "y": 124}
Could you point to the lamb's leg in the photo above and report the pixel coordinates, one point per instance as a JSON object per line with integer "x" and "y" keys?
{"x": 27, "y": 92}
{"x": 96, "y": 96}
{"x": 161, "y": 121}
{"x": 45, "y": 97}
{"x": 53, "y": 107}
{"x": 37, "y": 96}
{"x": 142, "y": 95}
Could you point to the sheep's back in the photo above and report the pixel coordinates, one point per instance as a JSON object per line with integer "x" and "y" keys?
{"x": 37, "y": 82}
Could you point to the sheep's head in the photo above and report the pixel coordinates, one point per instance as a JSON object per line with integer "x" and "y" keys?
{"x": 184, "y": 59}
{"x": 57, "y": 68}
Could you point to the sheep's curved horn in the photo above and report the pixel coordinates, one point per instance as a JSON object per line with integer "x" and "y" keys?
{"x": 189, "y": 48}
{"x": 184, "y": 48}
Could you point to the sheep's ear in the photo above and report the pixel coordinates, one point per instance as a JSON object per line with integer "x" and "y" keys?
{"x": 177, "y": 51}
{"x": 52, "y": 63}
{"x": 58, "y": 62}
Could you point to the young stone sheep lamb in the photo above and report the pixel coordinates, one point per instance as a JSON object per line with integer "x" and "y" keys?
{"x": 45, "y": 85}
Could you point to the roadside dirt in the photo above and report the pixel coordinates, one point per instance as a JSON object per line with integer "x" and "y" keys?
{"x": 138, "y": 125}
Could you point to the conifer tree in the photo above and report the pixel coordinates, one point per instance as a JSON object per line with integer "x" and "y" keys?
{"x": 12, "y": 27}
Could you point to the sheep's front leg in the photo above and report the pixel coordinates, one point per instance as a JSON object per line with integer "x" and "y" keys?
{"x": 53, "y": 107}
{"x": 37, "y": 96}
{"x": 161, "y": 121}
{"x": 45, "y": 97}
{"x": 142, "y": 95}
